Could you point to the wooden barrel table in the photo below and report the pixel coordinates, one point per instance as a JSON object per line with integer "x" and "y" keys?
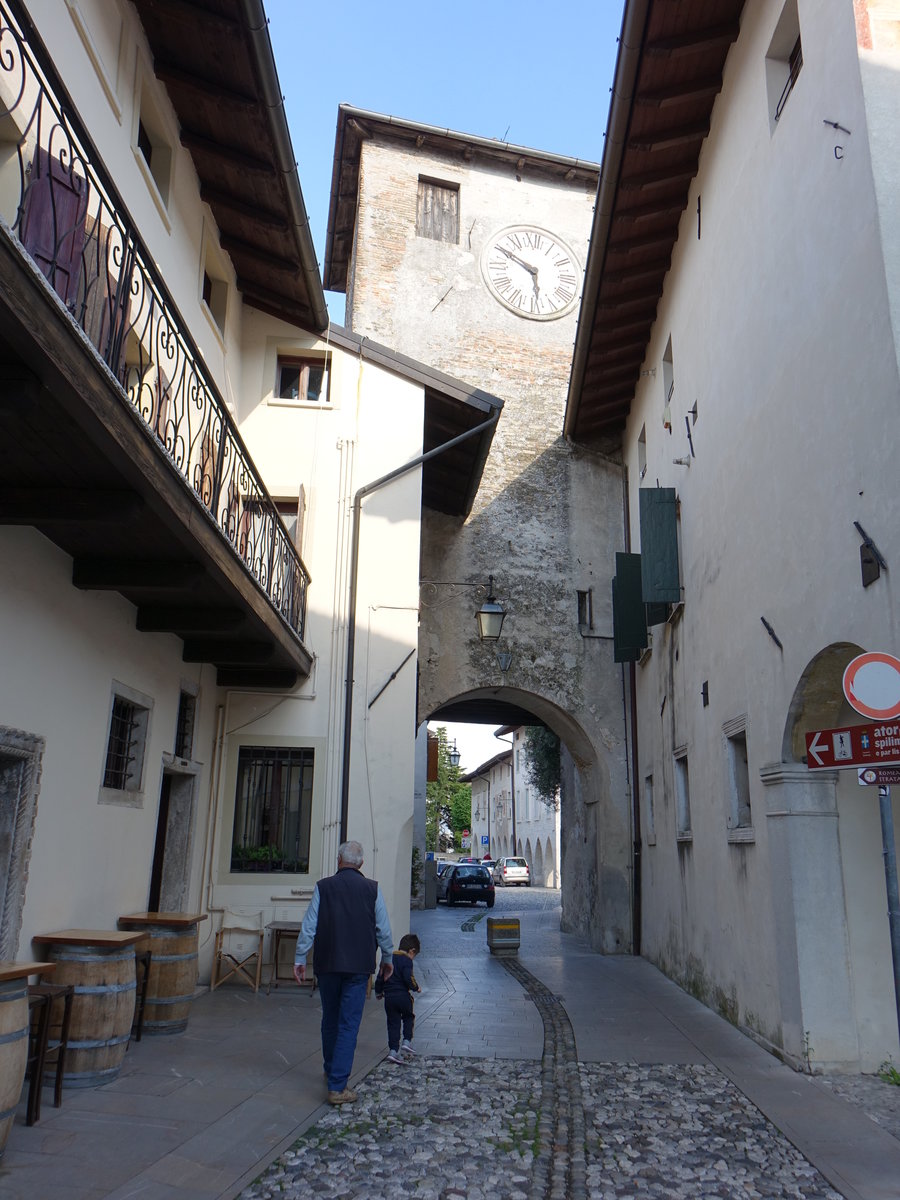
{"x": 172, "y": 941}
{"x": 14, "y": 1037}
{"x": 99, "y": 963}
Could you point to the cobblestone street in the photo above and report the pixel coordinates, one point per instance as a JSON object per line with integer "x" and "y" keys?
{"x": 488, "y": 1124}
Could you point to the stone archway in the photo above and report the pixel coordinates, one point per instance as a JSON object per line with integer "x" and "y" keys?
{"x": 832, "y": 933}
{"x": 537, "y": 873}
{"x": 595, "y": 836}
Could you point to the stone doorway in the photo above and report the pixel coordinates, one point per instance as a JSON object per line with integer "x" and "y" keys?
{"x": 20, "y": 773}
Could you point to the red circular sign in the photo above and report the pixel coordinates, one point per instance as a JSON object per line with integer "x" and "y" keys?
{"x": 872, "y": 685}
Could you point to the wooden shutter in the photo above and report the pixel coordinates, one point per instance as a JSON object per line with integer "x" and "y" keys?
{"x": 629, "y": 625}
{"x": 53, "y": 223}
{"x": 660, "y": 583}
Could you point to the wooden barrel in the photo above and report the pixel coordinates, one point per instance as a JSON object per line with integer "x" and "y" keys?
{"x": 102, "y": 1009}
{"x": 173, "y": 975}
{"x": 13, "y": 1050}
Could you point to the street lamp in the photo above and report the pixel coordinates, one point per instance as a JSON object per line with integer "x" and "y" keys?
{"x": 453, "y": 755}
{"x": 490, "y": 616}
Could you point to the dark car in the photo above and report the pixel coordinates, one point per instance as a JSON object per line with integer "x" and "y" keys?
{"x": 466, "y": 883}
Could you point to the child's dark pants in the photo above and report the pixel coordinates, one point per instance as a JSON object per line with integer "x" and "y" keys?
{"x": 398, "y": 1008}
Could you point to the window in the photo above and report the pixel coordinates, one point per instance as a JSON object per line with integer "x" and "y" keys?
{"x": 586, "y": 611}
{"x": 784, "y": 62}
{"x": 123, "y": 769}
{"x": 437, "y": 210}
{"x": 272, "y": 810}
{"x": 740, "y": 819}
{"x": 184, "y": 728}
{"x": 651, "y": 815}
{"x": 302, "y": 380}
{"x": 682, "y": 796}
{"x": 214, "y": 284}
{"x": 668, "y": 372}
{"x": 642, "y": 452}
{"x": 152, "y": 146}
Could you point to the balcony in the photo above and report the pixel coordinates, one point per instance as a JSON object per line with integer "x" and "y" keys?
{"x": 114, "y": 440}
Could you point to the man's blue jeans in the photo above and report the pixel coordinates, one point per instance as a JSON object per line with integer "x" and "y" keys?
{"x": 343, "y": 1000}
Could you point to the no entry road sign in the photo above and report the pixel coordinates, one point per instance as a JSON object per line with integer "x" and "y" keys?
{"x": 853, "y": 746}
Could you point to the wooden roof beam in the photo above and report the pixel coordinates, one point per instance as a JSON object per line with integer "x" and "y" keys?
{"x": 276, "y": 262}
{"x": 36, "y": 506}
{"x": 181, "y": 618}
{"x": 197, "y": 143}
{"x": 672, "y": 175}
{"x": 217, "y": 200}
{"x": 123, "y": 574}
{"x": 187, "y": 11}
{"x": 643, "y": 241}
{"x": 237, "y": 653}
{"x": 664, "y": 139}
{"x": 681, "y": 93}
{"x": 653, "y": 208}
{"x": 173, "y": 76}
{"x": 695, "y": 41}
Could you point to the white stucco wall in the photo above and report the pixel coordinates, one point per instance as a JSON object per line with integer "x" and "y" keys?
{"x": 781, "y": 334}
{"x": 63, "y": 650}
{"x": 372, "y": 423}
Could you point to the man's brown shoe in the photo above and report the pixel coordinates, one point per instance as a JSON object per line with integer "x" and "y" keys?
{"x": 344, "y": 1097}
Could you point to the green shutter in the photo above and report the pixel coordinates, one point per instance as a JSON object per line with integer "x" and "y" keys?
{"x": 659, "y": 546}
{"x": 657, "y": 614}
{"x": 629, "y": 626}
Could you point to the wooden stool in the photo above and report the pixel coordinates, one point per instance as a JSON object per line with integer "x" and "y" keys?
{"x": 50, "y": 1034}
{"x": 142, "y": 960}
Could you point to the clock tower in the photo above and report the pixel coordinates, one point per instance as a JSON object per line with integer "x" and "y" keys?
{"x": 467, "y": 254}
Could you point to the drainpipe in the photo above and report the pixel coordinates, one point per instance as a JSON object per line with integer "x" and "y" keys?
{"x": 364, "y": 491}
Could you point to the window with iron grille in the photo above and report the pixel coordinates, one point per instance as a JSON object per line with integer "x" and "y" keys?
{"x": 784, "y": 61}
{"x": 437, "y": 210}
{"x": 273, "y": 809}
{"x": 124, "y": 764}
{"x": 682, "y": 796}
{"x": 184, "y": 729}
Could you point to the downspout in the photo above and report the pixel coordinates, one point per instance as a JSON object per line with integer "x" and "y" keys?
{"x": 364, "y": 491}
{"x": 636, "y": 833}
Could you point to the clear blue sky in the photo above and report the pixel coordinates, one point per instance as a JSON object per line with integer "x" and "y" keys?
{"x": 523, "y": 71}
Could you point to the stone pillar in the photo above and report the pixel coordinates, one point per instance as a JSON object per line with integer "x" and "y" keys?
{"x": 811, "y": 938}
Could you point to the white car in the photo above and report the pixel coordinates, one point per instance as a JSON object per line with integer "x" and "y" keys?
{"x": 512, "y": 871}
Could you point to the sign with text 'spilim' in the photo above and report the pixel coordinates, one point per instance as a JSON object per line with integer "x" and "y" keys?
{"x": 853, "y": 746}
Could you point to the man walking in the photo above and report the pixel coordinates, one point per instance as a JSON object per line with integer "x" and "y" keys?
{"x": 346, "y": 919}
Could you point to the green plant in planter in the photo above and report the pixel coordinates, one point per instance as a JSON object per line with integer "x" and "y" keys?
{"x": 416, "y": 873}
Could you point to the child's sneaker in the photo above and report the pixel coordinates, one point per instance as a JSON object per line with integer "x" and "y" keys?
{"x": 396, "y": 1057}
{"x": 406, "y": 1047}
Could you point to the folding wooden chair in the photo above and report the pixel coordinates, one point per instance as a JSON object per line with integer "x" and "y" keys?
{"x": 239, "y": 949}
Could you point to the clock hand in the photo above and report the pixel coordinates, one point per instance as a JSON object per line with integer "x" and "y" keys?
{"x": 515, "y": 258}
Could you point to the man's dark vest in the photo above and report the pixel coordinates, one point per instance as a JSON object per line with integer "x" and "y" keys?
{"x": 345, "y": 932}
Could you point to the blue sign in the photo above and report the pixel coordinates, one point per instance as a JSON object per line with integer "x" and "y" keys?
{"x": 484, "y": 839}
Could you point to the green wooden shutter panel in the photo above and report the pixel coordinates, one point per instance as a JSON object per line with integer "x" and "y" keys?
{"x": 629, "y": 625}
{"x": 659, "y": 546}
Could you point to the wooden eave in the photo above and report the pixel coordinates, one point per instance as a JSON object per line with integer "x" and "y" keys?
{"x": 356, "y": 125}
{"x": 215, "y": 60}
{"x": 668, "y": 74}
{"x": 79, "y": 464}
{"x": 449, "y": 480}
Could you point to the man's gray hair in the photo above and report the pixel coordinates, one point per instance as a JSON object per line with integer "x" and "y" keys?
{"x": 350, "y": 854}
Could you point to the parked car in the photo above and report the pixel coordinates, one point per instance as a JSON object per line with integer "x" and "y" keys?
{"x": 466, "y": 883}
{"x": 489, "y": 863}
{"x": 512, "y": 871}
{"x": 442, "y": 864}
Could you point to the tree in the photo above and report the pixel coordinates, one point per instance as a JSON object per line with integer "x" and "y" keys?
{"x": 543, "y": 770}
{"x": 448, "y": 802}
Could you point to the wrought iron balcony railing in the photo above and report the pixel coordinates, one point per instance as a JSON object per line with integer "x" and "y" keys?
{"x": 57, "y": 196}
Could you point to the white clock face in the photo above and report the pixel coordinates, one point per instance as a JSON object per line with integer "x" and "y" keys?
{"x": 531, "y": 272}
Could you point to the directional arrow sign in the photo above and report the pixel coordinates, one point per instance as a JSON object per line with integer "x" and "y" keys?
{"x": 853, "y": 746}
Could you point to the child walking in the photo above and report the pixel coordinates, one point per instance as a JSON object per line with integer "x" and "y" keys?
{"x": 398, "y": 1003}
